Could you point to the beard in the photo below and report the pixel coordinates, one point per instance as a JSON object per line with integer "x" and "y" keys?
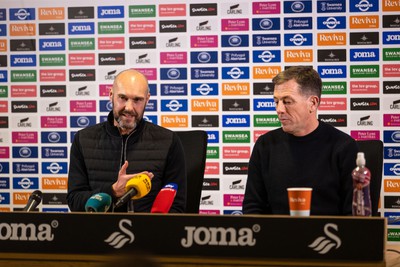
{"x": 124, "y": 123}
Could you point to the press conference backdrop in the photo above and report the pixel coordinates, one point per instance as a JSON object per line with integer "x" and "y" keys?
{"x": 209, "y": 64}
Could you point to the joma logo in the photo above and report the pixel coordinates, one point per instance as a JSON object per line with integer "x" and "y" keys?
{"x": 219, "y": 236}
{"x": 27, "y": 232}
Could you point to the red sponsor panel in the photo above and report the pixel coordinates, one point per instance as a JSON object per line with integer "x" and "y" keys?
{"x": 201, "y": 41}
{"x": 111, "y": 43}
{"x": 172, "y": 10}
{"x": 391, "y": 70}
{"x": 86, "y": 59}
{"x": 391, "y": 120}
{"x": 53, "y": 121}
{"x": 4, "y": 152}
{"x": 233, "y": 200}
{"x": 173, "y": 57}
{"x": 24, "y": 137}
{"x": 258, "y": 133}
{"x": 212, "y": 168}
{"x": 235, "y": 24}
{"x": 236, "y": 152}
{"x": 82, "y": 105}
{"x": 270, "y": 7}
{"x": 365, "y": 135}
{"x": 3, "y": 106}
{"x": 333, "y": 103}
{"x": 104, "y": 89}
{"x": 23, "y": 90}
{"x": 364, "y": 87}
{"x": 210, "y": 212}
{"x": 52, "y": 75}
{"x": 142, "y": 26}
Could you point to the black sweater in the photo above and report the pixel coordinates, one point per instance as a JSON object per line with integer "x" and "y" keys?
{"x": 98, "y": 151}
{"x": 323, "y": 160}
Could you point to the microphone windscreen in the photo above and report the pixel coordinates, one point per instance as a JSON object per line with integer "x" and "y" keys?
{"x": 99, "y": 202}
{"x": 141, "y": 183}
{"x": 164, "y": 199}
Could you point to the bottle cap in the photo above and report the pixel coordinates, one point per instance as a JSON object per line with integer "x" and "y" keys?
{"x": 360, "y": 159}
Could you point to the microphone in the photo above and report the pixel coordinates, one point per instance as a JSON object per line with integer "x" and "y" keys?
{"x": 164, "y": 199}
{"x": 99, "y": 202}
{"x": 34, "y": 200}
{"x": 137, "y": 187}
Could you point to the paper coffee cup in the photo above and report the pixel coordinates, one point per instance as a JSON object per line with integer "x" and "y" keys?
{"x": 299, "y": 200}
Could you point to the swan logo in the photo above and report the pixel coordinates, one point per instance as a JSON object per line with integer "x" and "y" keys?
{"x": 119, "y": 238}
{"x": 324, "y": 244}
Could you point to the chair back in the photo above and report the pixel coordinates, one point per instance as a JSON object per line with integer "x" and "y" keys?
{"x": 373, "y": 150}
{"x": 194, "y": 144}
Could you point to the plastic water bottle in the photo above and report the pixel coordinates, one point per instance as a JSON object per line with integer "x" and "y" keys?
{"x": 361, "y": 192}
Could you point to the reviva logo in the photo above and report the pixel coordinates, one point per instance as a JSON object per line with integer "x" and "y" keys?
{"x": 391, "y": 5}
{"x": 55, "y": 183}
{"x": 51, "y": 13}
{"x": 265, "y": 72}
{"x": 205, "y": 105}
{"x": 3, "y": 45}
{"x": 178, "y": 121}
{"x": 26, "y": 29}
{"x": 235, "y": 88}
{"x": 364, "y": 22}
{"x": 392, "y": 185}
{"x": 328, "y": 39}
{"x": 305, "y": 55}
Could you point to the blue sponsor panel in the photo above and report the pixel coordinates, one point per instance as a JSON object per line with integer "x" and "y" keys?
{"x": 233, "y": 212}
{"x": 391, "y": 136}
{"x": 174, "y": 105}
{"x": 4, "y": 198}
{"x": 153, "y": 89}
{"x": 235, "y": 57}
{"x": 204, "y": 57}
{"x": 235, "y": 73}
{"x": 25, "y": 183}
{"x": 265, "y": 104}
{"x": 3, "y": 76}
{"x": 370, "y": 54}
{"x": 22, "y": 14}
{"x": 19, "y": 152}
{"x": 213, "y": 137}
{"x": 266, "y": 24}
{"x": 103, "y": 118}
{"x": 391, "y": 152}
{"x": 23, "y": 60}
{"x": 56, "y": 44}
{"x": 82, "y": 121}
{"x": 266, "y": 40}
{"x": 204, "y": 73}
{"x": 3, "y": 14}
{"x": 295, "y": 7}
{"x": 173, "y": 73}
{"x": 4, "y": 183}
{"x": 53, "y": 137}
{"x": 151, "y": 118}
{"x": 151, "y": 105}
{"x": 331, "y": 23}
{"x": 331, "y": 6}
{"x": 364, "y": 5}
{"x": 54, "y": 152}
{"x": 3, "y": 30}
{"x": 174, "y": 89}
{"x": 204, "y": 89}
{"x": 239, "y": 40}
{"x": 4, "y": 167}
{"x": 393, "y": 218}
{"x": 54, "y": 167}
{"x": 391, "y": 38}
{"x": 72, "y": 134}
{"x": 297, "y": 23}
{"x": 25, "y": 167}
{"x": 76, "y": 28}
{"x": 235, "y": 121}
{"x": 55, "y": 210}
{"x": 337, "y": 71}
{"x": 391, "y": 169}
{"x": 298, "y": 39}
{"x": 110, "y": 12}
{"x": 105, "y": 105}
{"x": 266, "y": 56}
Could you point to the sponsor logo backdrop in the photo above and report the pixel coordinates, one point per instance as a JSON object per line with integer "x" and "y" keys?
{"x": 209, "y": 66}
